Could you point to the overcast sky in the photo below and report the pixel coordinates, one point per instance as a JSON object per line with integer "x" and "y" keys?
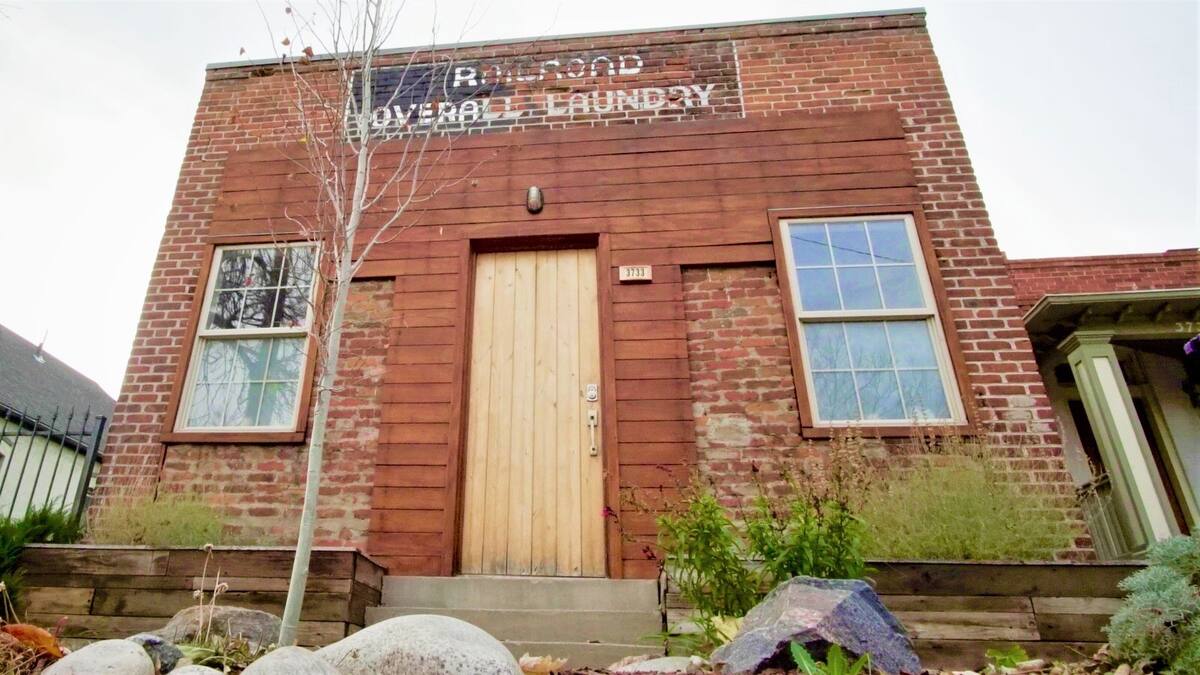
{"x": 1080, "y": 117}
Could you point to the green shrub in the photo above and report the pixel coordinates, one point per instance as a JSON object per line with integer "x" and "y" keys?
{"x": 169, "y": 520}
{"x": 724, "y": 566}
{"x": 1160, "y": 619}
{"x": 42, "y": 526}
{"x": 958, "y": 502}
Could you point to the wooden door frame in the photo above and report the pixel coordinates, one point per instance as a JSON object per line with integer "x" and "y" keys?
{"x": 468, "y": 257}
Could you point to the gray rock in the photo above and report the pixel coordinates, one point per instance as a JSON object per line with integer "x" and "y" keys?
{"x": 257, "y": 628}
{"x": 420, "y": 644}
{"x": 196, "y": 670}
{"x": 164, "y": 654}
{"x": 664, "y": 664}
{"x": 818, "y": 613}
{"x": 106, "y": 657}
{"x": 291, "y": 661}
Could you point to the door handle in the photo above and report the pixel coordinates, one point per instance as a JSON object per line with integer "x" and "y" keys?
{"x": 593, "y": 419}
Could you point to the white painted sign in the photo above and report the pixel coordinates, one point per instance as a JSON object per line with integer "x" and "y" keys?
{"x": 635, "y": 273}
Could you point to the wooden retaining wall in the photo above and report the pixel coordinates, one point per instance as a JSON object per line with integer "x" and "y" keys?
{"x": 956, "y": 611}
{"x": 117, "y": 591}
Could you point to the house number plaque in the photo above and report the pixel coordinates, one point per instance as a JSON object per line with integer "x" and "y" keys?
{"x": 632, "y": 274}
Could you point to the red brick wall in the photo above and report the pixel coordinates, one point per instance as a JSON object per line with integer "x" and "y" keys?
{"x": 846, "y": 64}
{"x": 1036, "y": 277}
{"x": 261, "y": 488}
{"x": 743, "y": 393}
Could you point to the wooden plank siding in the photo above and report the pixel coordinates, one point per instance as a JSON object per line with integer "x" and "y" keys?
{"x": 667, "y": 195}
{"x": 107, "y": 592}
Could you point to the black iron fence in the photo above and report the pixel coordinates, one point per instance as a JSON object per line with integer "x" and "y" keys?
{"x": 48, "y": 462}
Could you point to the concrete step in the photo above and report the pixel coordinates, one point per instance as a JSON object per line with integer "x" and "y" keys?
{"x": 582, "y": 654}
{"x": 502, "y": 592}
{"x": 544, "y": 625}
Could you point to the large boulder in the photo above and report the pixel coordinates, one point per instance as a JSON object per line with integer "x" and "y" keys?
{"x": 420, "y": 644}
{"x": 257, "y": 628}
{"x": 106, "y": 657}
{"x": 817, "y": 613}
{"x": 291, "y": 661}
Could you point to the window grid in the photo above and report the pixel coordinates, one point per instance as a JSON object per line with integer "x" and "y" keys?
{"x": 925, "y": 312}
{"x": 206, "y": 335}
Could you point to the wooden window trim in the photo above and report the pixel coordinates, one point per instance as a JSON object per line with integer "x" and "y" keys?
{"x": 808, "y": 426}
{"x": 298, "y": 433}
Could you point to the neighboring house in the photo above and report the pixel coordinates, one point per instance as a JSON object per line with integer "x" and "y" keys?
{"x": 1109, "y": 335}
{"x": 49, "y": 417}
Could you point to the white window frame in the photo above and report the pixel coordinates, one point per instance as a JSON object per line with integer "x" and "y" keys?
{"x": 929, "y": 314}
{"x": 204, "y": 334}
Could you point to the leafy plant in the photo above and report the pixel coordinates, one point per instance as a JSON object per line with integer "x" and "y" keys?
{"x": 836, "y": 662}
{"x": 1160, "y": 619}
{"x": 802, "y": 525}
{"x": 1007, "y": 657}
{"x": 169, "y": 520}
{"x": 958, "y": 500}
{"x": 46, "y": 525}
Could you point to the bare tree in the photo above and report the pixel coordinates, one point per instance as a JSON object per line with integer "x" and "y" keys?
{"x": 371, "y": 126}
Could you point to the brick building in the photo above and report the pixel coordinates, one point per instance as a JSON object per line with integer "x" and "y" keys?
{"x": 1109, "y": 335}
{"x": 809, "y": 248}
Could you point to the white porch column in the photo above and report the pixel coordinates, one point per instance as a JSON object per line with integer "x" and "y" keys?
{"x": 1137, "y": 487}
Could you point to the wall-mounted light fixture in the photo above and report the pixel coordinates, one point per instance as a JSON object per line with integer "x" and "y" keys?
{"x": 534, "y": 200}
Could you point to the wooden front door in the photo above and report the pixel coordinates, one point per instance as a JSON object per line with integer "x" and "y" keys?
{"x": 533, "y": 495}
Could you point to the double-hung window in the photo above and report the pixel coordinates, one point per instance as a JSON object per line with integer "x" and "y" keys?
{"x": 249, "y": 358}
{"x": 872, "y": 345}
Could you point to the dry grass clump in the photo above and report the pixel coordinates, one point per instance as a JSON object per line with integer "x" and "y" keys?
{"x": 959, "y": 500}
{"x": 168, "y": 520}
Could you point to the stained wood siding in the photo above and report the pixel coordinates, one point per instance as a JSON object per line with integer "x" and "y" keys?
{"x": 666, "y": 195}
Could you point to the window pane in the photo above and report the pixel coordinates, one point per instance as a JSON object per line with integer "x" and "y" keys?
{"x": 924, "y": 394}
{"x": 859, "y": 289}
{"x": 836, "y": 399}
{"x": 810, "y": 247}
{"x": 889, "y": 241}
{"x": 225, "y": 310}
{"x": 251, "y": 360}
{"x": 912, "y": 344}
{"x": 287, "y": 357}
{"x": 217, "y": 361}
{"x": 826, "y": 346}
{"x": 868, "y": 345}
{"x": 206, "y": 405}
{"x": 231, "y": 273}
{"x": 900, "y": 287}
{"x": 880, "y": 395}
{"x": 260, "y": 308}
{"x": 241, "y": 404}
{"x": 265, "y": 266}
{"x": 818, "y": 290}
{"x": 278, "y": 403}
{"x": 849, "y": 243}
{"x": 292, "y": 308}
{"x": 299, "y": 270}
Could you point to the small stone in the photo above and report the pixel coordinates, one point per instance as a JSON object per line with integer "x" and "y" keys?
{"x": 106, "y": 657}
{"x": 664, "y": 664}
{"x": 291, "y": 661}
{"x": 193, "y": 669}
{"x": 164, "y": 654}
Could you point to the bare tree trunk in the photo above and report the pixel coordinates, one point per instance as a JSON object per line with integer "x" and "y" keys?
{"x": 343, "y": 276}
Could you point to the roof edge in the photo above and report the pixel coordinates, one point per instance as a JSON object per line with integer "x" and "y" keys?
{"x": 1117, "y": 258}
{"x": 221, "y": 65}
{"x": 1052, "y": 299}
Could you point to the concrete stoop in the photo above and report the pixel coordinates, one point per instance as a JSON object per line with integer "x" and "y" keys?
{"x": 591, "y": 622}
